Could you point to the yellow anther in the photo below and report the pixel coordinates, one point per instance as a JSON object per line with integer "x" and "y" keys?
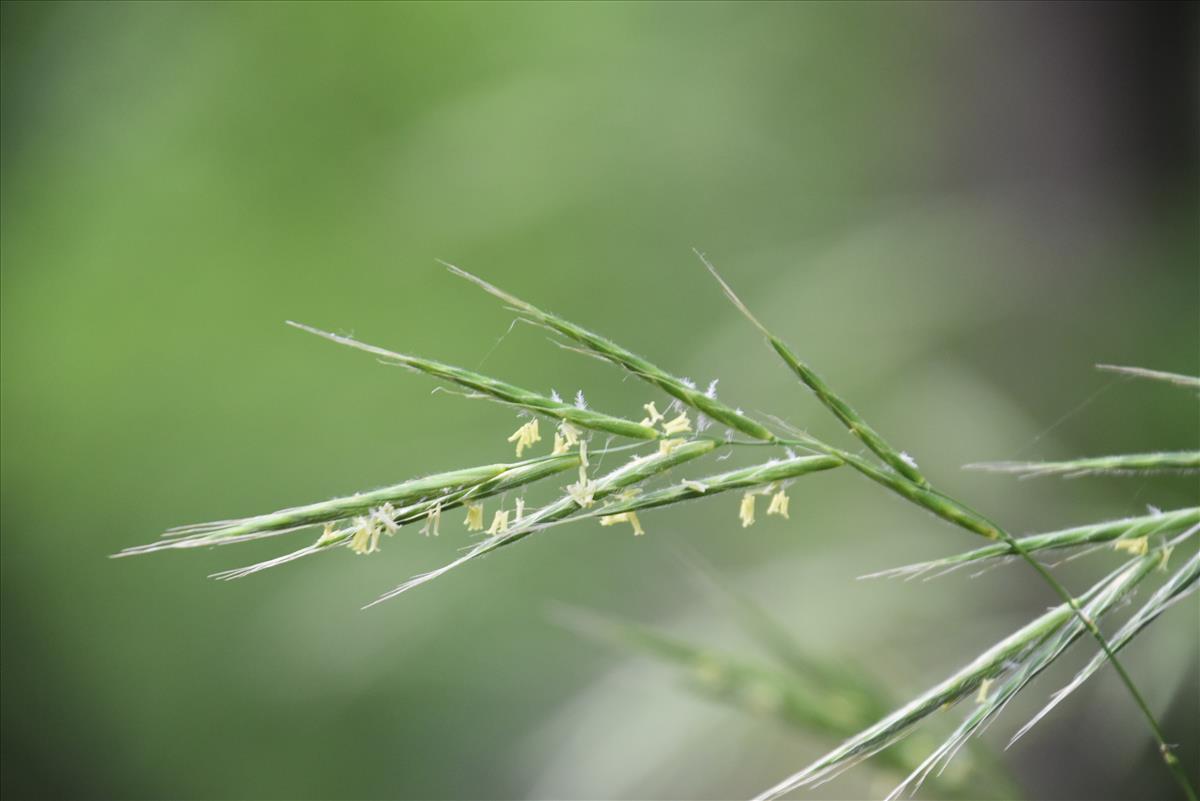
{"x": 678, "y": 425}
{"x": 1134, "y": 547}
{"x": 474, "y": 521}
{"x": 432, "y": 520}
{"x": 779, "y": 505}
{"x": 653, "y": 415}
{"x": 499, "y": 522}
{"x": 665, "y": 446}
{"x": 525, "y": 436}
{"x": 746, "y": 510}
{"x": 366, "y": 536}
{"x": 985, "y": 688}
{"x": 624, "y": 517}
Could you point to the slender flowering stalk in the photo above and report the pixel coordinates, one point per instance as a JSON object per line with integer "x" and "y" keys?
{"x": 284, "y": 520}
{"x": 758, "y": 477}
{"x": 761, "y": 475}
{"x": 1129, "y": 528}
{"x": 499, "y": 390}
{"x": 926, "y": 497}
{"x": 518, "y": 475}
{"x": 900, "y": 462}
{"x": 1132, "y": 463}
{"x": 629, "y": 474}
{"x": 678, "y": 388}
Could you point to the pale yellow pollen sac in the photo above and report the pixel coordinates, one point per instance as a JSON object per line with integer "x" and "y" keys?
{"x": 583, "y": 460}
{"x": 366, "y": 536}
{"x": 653, "y": 415}
{"x": 565, "y": 438}
{"x": 746, "y": 510}
{"x": 1164, "y": 556}
{"x": 624, "y": 517}
{"x": 474, "y": 521}
{"x": 779, "y": 505}
{"x": 665, "y": 446}
{"x": 432, "y": 520}
{"x": 696, "y": 486}
{"x": 677, "y": 425}
{"x": 985, "y": 689}
{"x": 1134, "y": 547}
{"x": 517, "y": 515}
{"x": 499, "y": 522}
{"x": 525, "y": 436}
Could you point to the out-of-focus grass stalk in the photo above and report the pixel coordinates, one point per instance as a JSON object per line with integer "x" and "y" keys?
{"x": 826, "y": 704}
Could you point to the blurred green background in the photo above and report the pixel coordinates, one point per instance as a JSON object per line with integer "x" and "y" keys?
{"x": 952, "y": 211}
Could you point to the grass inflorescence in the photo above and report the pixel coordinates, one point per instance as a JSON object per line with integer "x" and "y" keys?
{"x": 693, "y": 425}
